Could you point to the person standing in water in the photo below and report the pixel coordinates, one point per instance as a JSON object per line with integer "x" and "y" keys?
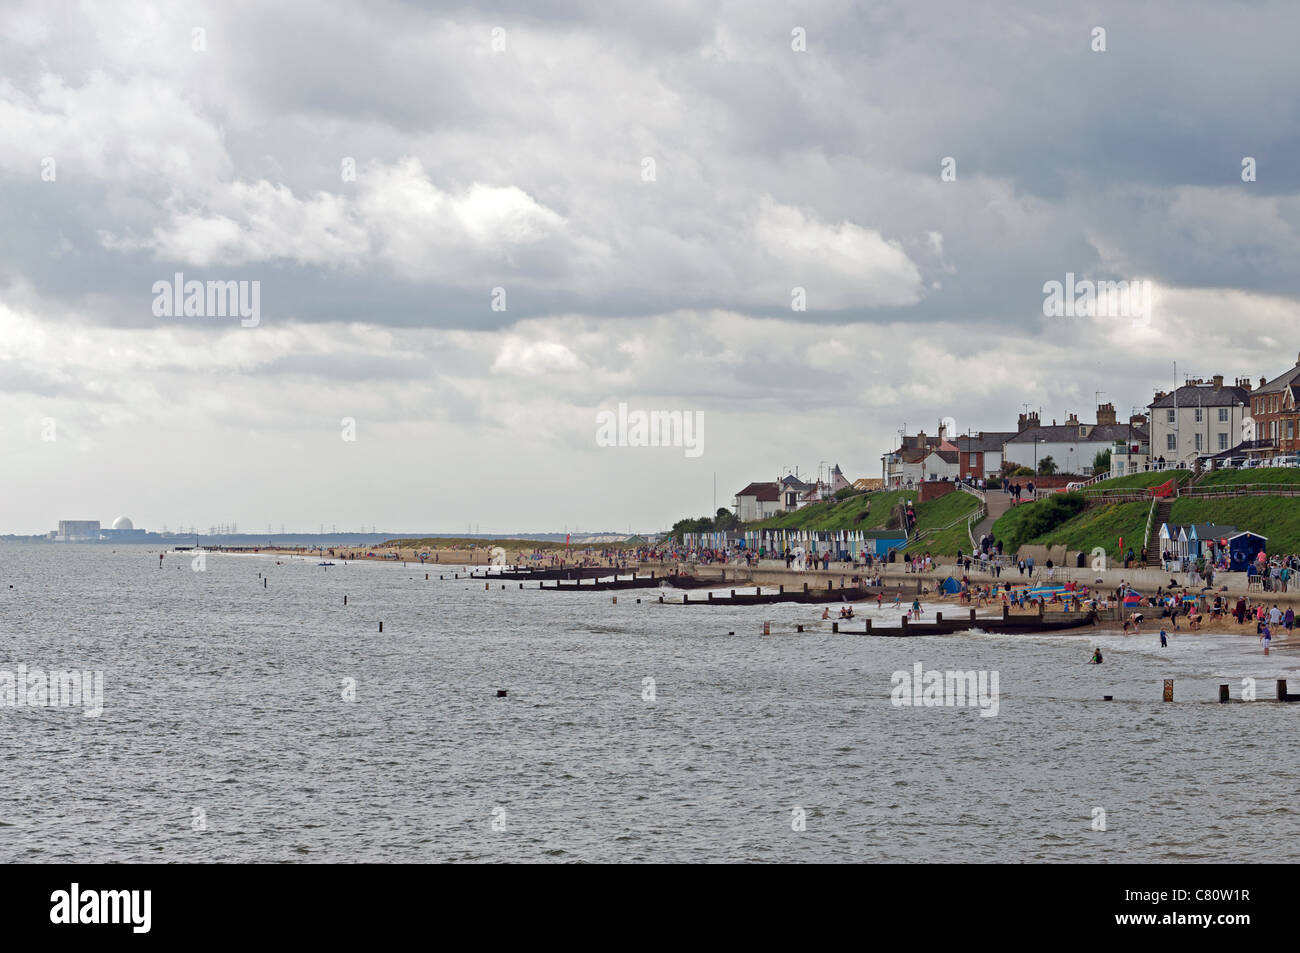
{"x": 1164, "y": 642}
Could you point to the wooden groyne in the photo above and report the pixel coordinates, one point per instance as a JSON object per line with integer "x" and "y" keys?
{"x": 807, "y": 594}
{"x": 1007, "y": 624}
{"x": 677, "y": 581}
{"x": 524, "y": 575}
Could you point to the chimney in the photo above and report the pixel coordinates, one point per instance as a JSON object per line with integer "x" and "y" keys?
{"x": 1137, "y": 420}
{"x": 1218, "y": 382}
{"x": 1105, "y": 415}
{"x": 1027, "y": 422}
{"x": 1263, "y": 381}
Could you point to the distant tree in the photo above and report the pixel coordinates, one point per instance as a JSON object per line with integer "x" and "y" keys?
{"x": 1101, "y": 462}
{"x": 1020, "y": 471}
{"x": 1046, "y": 466}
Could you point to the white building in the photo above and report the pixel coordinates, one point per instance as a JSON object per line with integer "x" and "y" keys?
{"x": 1201, "y": 418}
{"x": 1073, "y": 446}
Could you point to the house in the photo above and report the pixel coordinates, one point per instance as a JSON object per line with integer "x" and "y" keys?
{"x": 1199, "y": 419}
{"x": 1073, "y": 446}
{"x": 1275, "y": 412}
{"x": 979, "y": 457}
{"x": 838, "y": 481}
{"x": 920, "y": 458}
{"x": 758, "y": 501}
{"x": 794, "y": 492}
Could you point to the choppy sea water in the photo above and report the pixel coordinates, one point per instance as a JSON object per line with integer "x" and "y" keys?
{"x": 226, "y": 734}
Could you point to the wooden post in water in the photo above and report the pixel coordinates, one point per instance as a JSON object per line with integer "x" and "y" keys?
{"x": 781, "y": 590}
{"x": 938, "y": 617}
{"x": 767, "y": 628}
{"x": 345, "y": 600}
{"x": 381, "y": 626}
{"x": 1223, "y": 693}
{"x": 615, "y": 600}
{"x": 1281, "y": 689}
{"x": 685, "y": 598}
{"x": 1006, "y": 613}
{"x": 835, "y": 626}
{"x": 1169, "y": 690}
{"x": 972, "y": 615}
{"x": 868, "y": 629}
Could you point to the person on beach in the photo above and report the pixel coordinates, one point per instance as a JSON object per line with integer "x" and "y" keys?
{"x": 916, "y": 608}
{"x": 898, "y": 600}
{"x": 1096, "y": 657}
{"x": 1164, "y": 641}
{"x": 826, "y": 612}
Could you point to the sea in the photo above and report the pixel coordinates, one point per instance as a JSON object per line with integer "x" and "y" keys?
{"x": 248, "y": 715}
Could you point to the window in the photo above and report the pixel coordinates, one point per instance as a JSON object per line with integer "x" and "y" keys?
{"x": 1169, "y": 416}
{"x": 1198, "y": 442}
{"x": 1223, "y": 415}
{"x": 1223, "y": 441}
{"x": 1290, "y": 428}
{"x": 1199, "y": 418}
{"x": 1171, "y": 441}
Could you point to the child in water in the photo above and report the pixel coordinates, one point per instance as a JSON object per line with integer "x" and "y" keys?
{"x": 1096, "y": 657}
{"x": 1164, "y": 642}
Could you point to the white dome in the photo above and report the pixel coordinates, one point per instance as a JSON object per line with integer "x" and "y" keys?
{"x": 123, "y": 523}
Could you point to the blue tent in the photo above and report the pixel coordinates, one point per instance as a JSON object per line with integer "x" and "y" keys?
{"x": 950, "y": 586}
{"x": 1243, "y": 548}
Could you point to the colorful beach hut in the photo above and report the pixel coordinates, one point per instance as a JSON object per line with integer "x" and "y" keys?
{"x": 1243, "y": 548}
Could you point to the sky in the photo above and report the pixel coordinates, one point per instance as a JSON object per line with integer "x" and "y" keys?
{"x": 473, "y": 229}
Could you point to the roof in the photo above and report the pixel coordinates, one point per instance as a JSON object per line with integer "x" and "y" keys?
{"x": 767, "y": 492}
{"x": 1069, "y": 433}
{"x": 1281, "y": 382}
{"x": 794, "y": 483}
{"x": 1247, "y": 532}
{"x": 947, "y": 456}
{"x": 1206, "y": 530}
{"x": 985, "y": 441}
{"x": 1203, "y": 395}
{"x": 1246, "y": 446}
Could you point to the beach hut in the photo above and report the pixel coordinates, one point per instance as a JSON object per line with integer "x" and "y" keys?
{"x": 1203, "y": 537}
{"x": 1243, "y": 548}
{"x": 950, "y": 585}
{"x": 1173, "y": 539}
